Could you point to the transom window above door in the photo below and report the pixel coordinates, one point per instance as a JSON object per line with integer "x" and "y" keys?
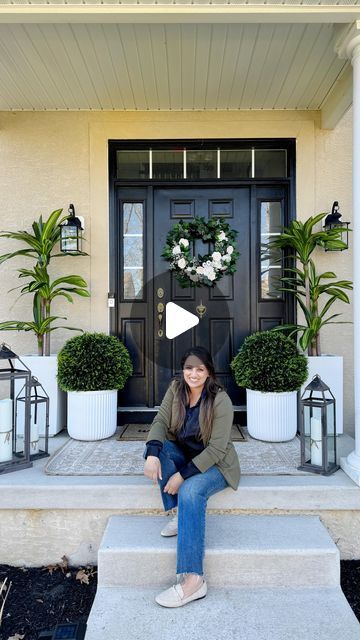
{"x": 183, "y": 163}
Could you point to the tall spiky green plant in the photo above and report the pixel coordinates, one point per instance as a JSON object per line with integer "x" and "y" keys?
{"x": 39, "y": 245}
{"x": 299, "y": 240}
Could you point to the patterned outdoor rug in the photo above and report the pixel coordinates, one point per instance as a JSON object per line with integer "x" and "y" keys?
{"x": 114, "y": 457}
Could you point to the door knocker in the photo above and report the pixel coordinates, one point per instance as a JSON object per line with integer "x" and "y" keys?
{"x": 201, "y": 309}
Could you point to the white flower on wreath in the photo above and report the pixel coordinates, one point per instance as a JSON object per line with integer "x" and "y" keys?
{"x": 184, "y": 242}
{"x": 222, "y": 236}
{"x": 216, "y": 256}
{"x": 226, "y": 258}
{"x": 209, "y": 270}
{"x": 211, "y": 275}
{"x": 229, "y": 250}
{"x": 176, "y": 250}
{"x": 200, "y": 270}
{"x": 182, "y": 263}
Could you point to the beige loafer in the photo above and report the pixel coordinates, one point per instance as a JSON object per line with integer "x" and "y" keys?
{"x": 174, "y": 597}
{"x": 171, "y": 528}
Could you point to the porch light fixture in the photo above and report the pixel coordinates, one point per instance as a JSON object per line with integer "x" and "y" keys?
{"x": 11, "y": 375}
{"x": 318, "y": 429}
{"x": 333, "y": 221}
{"x": 71, "y": 233}
{"x": 39, "y": 419}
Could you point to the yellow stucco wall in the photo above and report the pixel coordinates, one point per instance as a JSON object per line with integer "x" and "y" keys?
{"x": 333, "y": 181}
{"x": 49, "y": 159}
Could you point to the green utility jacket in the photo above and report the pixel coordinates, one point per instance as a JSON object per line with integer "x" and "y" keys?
{"x": 219, "y": 450}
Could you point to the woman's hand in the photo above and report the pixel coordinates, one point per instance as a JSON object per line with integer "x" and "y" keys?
{"x": 173, "y": 484}
{"x": 152, "y": 468}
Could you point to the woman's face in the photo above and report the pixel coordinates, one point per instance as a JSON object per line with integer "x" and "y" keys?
{"x": 195, "y": 373}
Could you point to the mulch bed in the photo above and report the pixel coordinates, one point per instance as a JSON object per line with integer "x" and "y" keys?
{"x": 41, "y": 598}
{"x": 350, "y": 583}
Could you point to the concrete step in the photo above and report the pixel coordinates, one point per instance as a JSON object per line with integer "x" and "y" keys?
{"x": 249, "y": 551}
{"x": 130, "y": 613}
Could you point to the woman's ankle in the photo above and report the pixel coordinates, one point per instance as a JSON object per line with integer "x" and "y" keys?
{"x": 190, "y": 583}
{"x": 192, "y": 578}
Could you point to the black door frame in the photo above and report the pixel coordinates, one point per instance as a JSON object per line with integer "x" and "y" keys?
{"x": 149, "y": 185}
{"x": 244, "y": 143}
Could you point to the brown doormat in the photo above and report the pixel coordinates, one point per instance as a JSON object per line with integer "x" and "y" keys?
{"x": 140, "y": 432}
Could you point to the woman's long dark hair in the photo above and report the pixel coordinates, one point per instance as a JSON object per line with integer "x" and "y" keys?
{"x": 211, "y": 388}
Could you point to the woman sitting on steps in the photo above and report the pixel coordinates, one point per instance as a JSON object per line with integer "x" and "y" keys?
{"x": 190, "y": 453}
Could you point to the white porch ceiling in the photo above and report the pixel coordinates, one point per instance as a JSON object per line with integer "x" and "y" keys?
{"x": 167, "y": 66}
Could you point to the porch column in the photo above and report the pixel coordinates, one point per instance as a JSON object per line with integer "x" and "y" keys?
{"x": 350, "y": 48}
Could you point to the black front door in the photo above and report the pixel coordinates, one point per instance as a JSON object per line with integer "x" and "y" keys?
{"x": 238, "y": 305}
{"x": 226, "y": 319}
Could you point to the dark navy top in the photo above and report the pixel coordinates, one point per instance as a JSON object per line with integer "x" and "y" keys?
{"x": 187, "y": 439}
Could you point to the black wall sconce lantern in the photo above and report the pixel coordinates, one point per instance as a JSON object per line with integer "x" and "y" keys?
{"x": 318, "y": 429}
{"x": 39, "y": 419}
{"x": 14, "y": 451}
{"x": 71, "y": 233}
{"x": 333, "y": 221}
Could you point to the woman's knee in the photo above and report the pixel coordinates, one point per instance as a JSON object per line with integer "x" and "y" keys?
{"x": 170, "y": 449}
{"x": 166, "y": 449}
{"x": 190, "y": 493}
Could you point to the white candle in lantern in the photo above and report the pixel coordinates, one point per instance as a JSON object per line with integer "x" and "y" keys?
{"x": 34, "y": 436}
{"x": 6, "y": 452}
{"x": 316, "y": 442}
{"x": 5, "y": 414}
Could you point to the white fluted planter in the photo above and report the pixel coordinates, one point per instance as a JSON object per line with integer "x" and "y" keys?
{"x": 92, "y": 414}
{"x": 271, "y": 416}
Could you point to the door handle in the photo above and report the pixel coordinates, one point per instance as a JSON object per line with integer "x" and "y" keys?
{"x": 160, "y": 309}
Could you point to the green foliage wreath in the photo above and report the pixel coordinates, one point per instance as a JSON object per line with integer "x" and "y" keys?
{"x": 206, "y": 270}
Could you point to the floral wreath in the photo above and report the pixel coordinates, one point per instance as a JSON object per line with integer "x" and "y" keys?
{"x": 191, "y": 271}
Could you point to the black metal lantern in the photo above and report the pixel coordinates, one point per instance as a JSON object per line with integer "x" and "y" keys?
{"x": 318, "y": 429}
{"x": 14, "y": 452}
{"x": 333, "y": 221}
{"x": 39, "y": 418}
{"x": 71, "y": 233}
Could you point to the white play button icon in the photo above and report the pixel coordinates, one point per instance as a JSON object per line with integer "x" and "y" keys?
{"x": 178, "y": 320}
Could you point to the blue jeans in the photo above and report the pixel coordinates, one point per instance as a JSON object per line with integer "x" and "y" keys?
{"x": 191, "y": 501}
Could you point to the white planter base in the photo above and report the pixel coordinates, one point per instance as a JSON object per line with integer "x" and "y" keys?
{"x": 92, "y": 414}
{"x": 271, "y": 417}
{"x": 44, "y": 368}
{"x": 330, "y": 370}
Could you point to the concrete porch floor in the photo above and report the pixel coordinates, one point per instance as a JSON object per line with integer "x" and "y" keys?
{"x": 43, "y": 517}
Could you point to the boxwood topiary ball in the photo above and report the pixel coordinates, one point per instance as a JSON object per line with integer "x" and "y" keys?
{"x": 269, "y": 361}
{"x": 93, "y": 362}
